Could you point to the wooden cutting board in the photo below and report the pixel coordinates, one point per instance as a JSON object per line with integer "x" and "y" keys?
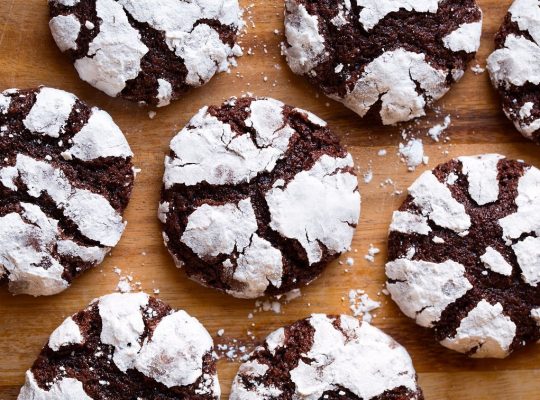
{"x": 29, "y": 57}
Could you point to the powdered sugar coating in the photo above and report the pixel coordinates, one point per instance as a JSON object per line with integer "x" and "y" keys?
{"x": 66, "y": 334}
{"x": 528, "y": 257}
{"x": 437, "y": 203}
{"x": 392, "y": 78}
{"x": 423, "y": 289}
{"x": 494, "y": 262}
{"x": 250, "y": 158}
{"x": 100, "y": 137}
{"x": 465, "y": 38}
{"x": 50, "y": 112}
{"x": 482, "y": 175}
{"x": 407, "y": 222}
{"x": 514, "y": 64}
{"x": 174, "y": 353}
{"x": 115, "y": 55}
{"x": 318, "y": 207}
{"x": 208, "y": 150}
{"x": 357, "y": 357}
{"x": 401, "y": 76}
{"x": 63, "y": 389}
{"x": 375, "y": 10}
{"x": 169, "y": 348}
{"x": 215, "y": 230}
{"x": 527, "y": 218}
{"x": 65, "y": 30}
{"x": 485, "y": 330}
{"x": 306, "y": 43}
{"x": 40, "y": 256}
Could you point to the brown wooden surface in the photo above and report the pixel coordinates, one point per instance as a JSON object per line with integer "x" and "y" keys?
{"x": 28, "y": 57}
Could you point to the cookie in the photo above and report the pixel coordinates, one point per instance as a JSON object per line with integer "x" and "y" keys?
{"x": 464, "y": 252}
{"x": 147, "y": 51}
{"x": 513, "y": 67}
{"x": 328, "y": 357}
{"x": 65, "y": 179}
{"x": 258, "y": 197}
{"x": 390, "y": 58}
{"x": 124, "y": 347}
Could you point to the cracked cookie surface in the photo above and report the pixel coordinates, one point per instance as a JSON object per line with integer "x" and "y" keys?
{"x": 65, "y": 180}
{"x": 514, "y": 69}
{"x": 328, "y": 357}
{"x": 147, "y": 51}
{"x": 125, "y": 347}
{"x": 258, "y": 197}
{"x": 464, "y": 255}
{"x": 386, "y": 57}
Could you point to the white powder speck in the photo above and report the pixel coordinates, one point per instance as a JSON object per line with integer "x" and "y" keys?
{"x": 361, "y": 305}
{"x": 412, "y": 153}
{"x": 436, "y": 131}
{"x": 372, "y": 252}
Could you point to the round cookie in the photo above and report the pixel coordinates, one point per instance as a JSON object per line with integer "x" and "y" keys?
{"x": 258, "y": 197}
{"x": 328, "y": 357}
{"x": 464, "y": 253}
{"x": 514, "y": 68}
{"x": 124, "y": 347}
{"x": 387, "y": 57}
{"x": 147, "y": 51}
{"x": 65, "y": 179}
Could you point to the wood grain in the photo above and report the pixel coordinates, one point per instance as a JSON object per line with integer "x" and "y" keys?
{"x": 28, "y": 57}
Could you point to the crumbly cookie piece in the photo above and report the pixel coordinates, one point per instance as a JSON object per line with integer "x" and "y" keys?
{"x": 125, "y": 346}
{"x": 65, "y": 180}
{"x": 464, "y": 252}
{"x": 387, "y": 57}
{"x": 258, "y": 197}
{"x": 328, "y": 357}
{"x": 514, "y": 67}
{"x": 144, "y": 50}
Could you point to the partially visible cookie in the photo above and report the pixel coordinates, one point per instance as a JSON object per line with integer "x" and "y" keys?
{"x": 328, "y": 357}
{"x": 125, "y": 347}
{"x": 514, "y": 67}
{"x": 65, "y": 180}
{"x": 258, "y": 197}
{"x": 144, "y": 50}
{"x": 388, "y": 57}
{"x": 464, "y": 254}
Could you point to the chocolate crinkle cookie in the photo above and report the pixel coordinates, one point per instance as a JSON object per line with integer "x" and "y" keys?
{"x": 328, "y": 357}
{"x": 514, "y": 67}
{"x": 258, "y": 197}
{"x": 145, "y": 50}
{"x": 464, "y": 253}
{"x": 125, "y": 347}
{"x": 65, "y": 179}
{"x": 390, "y": 57}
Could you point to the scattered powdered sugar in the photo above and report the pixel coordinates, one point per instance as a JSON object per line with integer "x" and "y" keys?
{"x": 372, "y": 252}
{"x": 436, "y": 131}
{"x": 412, "y": 153}
{"x": 361, "y": 305}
